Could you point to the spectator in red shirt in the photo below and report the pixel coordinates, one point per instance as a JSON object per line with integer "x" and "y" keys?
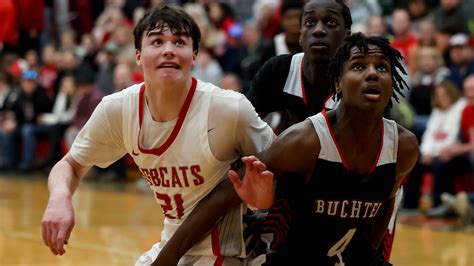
{"x": 404, "y": 40}
{"x": 30, "y": 24}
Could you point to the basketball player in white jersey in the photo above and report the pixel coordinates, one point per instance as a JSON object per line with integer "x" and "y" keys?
{"x": 182, "y": 133}
{"x": 351, "y": 161}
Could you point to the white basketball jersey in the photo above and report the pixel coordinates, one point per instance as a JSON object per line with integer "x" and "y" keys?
{"x": 175, "y": 158}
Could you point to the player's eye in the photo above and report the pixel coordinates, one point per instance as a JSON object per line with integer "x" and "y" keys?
{"x": 309, "y": 22}
{"x": 357, "y": 66}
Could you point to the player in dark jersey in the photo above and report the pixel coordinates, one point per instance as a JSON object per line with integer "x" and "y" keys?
{"x": 351, "y": 161}
{"x": 296, "y": 85}
{"x": 324, "y": 25}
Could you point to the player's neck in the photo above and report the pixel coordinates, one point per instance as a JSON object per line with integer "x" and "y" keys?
{"x": 165, "y": 102}
{"x": 312, "y": 73}
{"x": 363, "y": 123}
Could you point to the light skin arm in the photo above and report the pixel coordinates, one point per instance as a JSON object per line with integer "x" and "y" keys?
{"x": 58, "y": 219}
{"x": 280, "y": 156}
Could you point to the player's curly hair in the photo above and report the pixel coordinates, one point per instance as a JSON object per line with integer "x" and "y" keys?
{"x": 362, "y": 42}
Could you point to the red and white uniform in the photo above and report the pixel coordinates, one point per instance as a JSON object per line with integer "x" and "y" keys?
{"x": 183, "y": 159}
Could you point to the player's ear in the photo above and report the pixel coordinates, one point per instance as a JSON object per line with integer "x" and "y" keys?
{"x": 338, "y": 87}
{"x": 138, "y": 57}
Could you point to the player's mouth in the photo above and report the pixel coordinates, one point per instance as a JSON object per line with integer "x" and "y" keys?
{"x": 373, "y": 93}
{"x": 319, "y": 46}
{"x": 169, "y": 65}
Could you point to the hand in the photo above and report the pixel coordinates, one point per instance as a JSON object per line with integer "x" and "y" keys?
{"x": 9, "y": 125}
{"x": 57, "y": 224}
{"x": 256, "y": 188}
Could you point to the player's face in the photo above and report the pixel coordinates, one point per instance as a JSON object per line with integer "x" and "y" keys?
{"x": 366, "y": 80}
{"x": 165, "y": 56}
{"x": 322, "y": 29}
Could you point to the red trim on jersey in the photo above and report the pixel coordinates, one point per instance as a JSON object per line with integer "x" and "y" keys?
{"x": 344, "y": 163}
{"x": 216, "y": 247}
{"x": 385, "y": 249}
{"x": 182, "y": 114}
{"x": 303, "y": 91}
{"x": 343, "y": 159}
{"x": 382, "y": 129}
{"x": 326, "y": 101}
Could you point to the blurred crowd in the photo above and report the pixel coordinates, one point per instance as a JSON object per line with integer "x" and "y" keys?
{"x": 60, "y": 57}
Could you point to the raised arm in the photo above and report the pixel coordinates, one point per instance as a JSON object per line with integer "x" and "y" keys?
{"x": 58, "y": 219}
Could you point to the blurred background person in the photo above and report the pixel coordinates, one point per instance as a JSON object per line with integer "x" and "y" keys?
{"x": 56, "y": 122}
{"x": 84, "y": 80}
{"x": 461, "y": 59}
{"x": 442, "y": 130}
{"x": 287, "y": 41}
{"x": 33, "y": 103}
{"x": 9, "y": 109}
{"x": 231, "y": 81}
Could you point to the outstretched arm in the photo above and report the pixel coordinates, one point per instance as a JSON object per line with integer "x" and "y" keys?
{"x": 199, "y": 223}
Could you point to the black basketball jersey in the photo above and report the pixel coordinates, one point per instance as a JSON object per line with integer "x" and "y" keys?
{"x": 330, "y": 210}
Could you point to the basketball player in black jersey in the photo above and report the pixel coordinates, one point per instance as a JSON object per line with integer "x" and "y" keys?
{"x": 325, "y": 24}
{"x": 351, "y": 161}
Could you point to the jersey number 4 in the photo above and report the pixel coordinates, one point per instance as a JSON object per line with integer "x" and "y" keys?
{"x": 167, "y": 205}
{"x": 340, "y": 246}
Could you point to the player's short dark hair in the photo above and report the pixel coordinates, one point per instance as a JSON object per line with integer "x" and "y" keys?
{"x": 346, "y": 13}
{"x": 362, "y": 42}
{"x": 167, "y": 16}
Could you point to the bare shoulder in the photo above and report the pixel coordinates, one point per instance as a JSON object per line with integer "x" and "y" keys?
{"x": 408, "y": 150}
{"x": 302, "y": 133}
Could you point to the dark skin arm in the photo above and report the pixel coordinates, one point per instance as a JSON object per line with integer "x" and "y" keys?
{"x": 280, "y": 158}
{"x": 407, "y": 155}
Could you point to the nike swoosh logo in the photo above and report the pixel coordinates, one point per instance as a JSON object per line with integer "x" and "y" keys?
{"x": 211, "y": 129}
{"x": 134, "y": 153}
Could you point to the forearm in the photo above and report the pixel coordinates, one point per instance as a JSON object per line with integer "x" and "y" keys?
{"x": 64, "y": 177}
{"x": 199, "y": 223}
